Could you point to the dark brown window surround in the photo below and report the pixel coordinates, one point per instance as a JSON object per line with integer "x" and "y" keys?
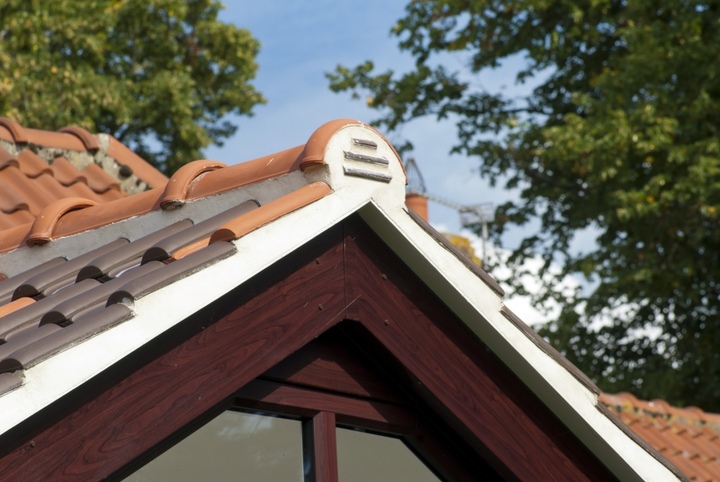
{"x": 183, "y": 378}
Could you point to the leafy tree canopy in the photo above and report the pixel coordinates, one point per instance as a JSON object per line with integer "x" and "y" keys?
{"x": 620, "y": 137}
{"x": 159, "y": 75}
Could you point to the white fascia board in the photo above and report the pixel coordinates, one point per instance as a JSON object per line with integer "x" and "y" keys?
{"x": 153, "y": 314}
{"x": 478, "y": 306}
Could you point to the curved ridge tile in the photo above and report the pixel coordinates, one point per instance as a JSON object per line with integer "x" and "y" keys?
{"x": 54, "y": 139}
{"x": 89, "y": 141}
{"x": 177, "y": 187}
{"x": 246, "y": 173}
{"x": 43, "y": 227}
{"x": 16, "y": 130}
{"x": 106, "y": 213}
{"x": 271, "y": 211}
{"x": 98, "y": 180}
{"x": 314, "y": 151}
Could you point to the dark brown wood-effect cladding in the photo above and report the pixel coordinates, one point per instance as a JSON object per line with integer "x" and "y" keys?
{"x": 348, "y": 373}
{"x": 457, "y": 374}
{"x": 244, "y": 334}
{"x": 181, "y": 377}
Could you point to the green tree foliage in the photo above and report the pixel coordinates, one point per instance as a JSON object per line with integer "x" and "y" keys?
{"x": 159, "y": 75}
{"x": 620, "y": 137}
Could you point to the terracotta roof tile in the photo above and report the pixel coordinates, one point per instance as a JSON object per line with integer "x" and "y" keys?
{"x": 688, "y": 437}
{"x": 50, "y": 307}
{"x": 40, "y": 167}
{"x": 98, "y": 180}
{"x": 65, "y": 173}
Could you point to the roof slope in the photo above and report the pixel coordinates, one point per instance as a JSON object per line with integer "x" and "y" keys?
{"x": 38, "y": 168}
{"x": 688, "y": 437}
{"x": 91, "y": 280}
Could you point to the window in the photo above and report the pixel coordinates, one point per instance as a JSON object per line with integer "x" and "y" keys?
{"x": 234, "y": 446}
{"x": 365, "y": 456}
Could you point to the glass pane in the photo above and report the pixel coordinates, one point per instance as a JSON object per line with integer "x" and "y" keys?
{"x": 365, "y": 456}
{"x": 235, "y": 446}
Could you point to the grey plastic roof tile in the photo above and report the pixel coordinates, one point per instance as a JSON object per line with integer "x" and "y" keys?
{"x": 63, "y": 274}
{"x": 110, "y": 264}
{"x": 8, "y": 286}
{"x": 48, "y": 346}
{"x": 26, "y": 338}
{"x": 9, "y": 381}
{"x": 157, "y": 279}
{"x": 66, "y": 311}
{"x": 30, "y": 315}
{"x": 164, "y": 248}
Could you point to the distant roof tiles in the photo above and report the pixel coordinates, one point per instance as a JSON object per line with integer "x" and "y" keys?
{"x": 40, "y": 167}
{"x": 688, "y": 437}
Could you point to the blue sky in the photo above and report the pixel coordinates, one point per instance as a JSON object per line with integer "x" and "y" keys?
{"x": 301, "y": 41}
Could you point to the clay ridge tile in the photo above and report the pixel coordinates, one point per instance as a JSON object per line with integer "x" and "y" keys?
{"x": 246, "y": 173}
{"x": 89, "y": 141}
{"x": 271, "y": 211}
{"x": 177, "y": 188}
{"x": 106, "y": 213}
{"x": 42, "y": 229}
{"x": 19, "y": 136}
{"x": 58, "y": 140}
{"x": 314, "y": 150}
